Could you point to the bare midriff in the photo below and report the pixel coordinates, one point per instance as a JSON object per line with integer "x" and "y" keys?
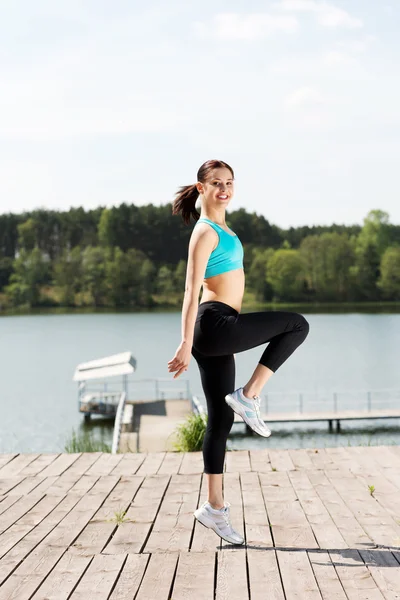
{"x": 227, "y": 287}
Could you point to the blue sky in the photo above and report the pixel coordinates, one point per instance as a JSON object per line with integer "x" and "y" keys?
{"x": 110, "y": 102}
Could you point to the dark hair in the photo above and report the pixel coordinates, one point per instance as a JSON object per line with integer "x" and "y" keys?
{"x": 187, "y": 195}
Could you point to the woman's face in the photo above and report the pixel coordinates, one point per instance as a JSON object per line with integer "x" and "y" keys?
{"x": 218, "y": 188}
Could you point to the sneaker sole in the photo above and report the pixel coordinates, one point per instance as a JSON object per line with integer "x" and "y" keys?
{"x": 239, "y": 411}
{"x": 211, "y": 525}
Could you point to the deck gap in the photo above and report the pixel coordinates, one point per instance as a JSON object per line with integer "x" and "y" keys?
{"x": 215, "y": 574}
{"x": 118, "y": 576}
{"x": 81, "y": 577}
{"x": 173, "y": 578}
{"x": 156, "y": 515}
{"x": 197, "y": 506}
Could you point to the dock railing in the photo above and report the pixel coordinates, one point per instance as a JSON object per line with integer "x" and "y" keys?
{"x": 323, "y": 406}
{"x": 118, "y": 423}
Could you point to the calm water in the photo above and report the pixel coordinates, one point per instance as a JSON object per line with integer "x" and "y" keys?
{"x": 346, "y": 354}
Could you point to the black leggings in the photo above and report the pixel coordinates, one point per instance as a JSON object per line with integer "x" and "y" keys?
{"x": 219, "y": 332}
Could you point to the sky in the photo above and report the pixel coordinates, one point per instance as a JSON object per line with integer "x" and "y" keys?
{"x": 109, "y": 102}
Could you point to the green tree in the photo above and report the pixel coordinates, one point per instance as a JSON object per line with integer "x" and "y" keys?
{"x": 165, "y": 281}
{"x": 285, "y": 273}
{"x": 67, "y": 275}
{"x": 389, "y": 281}
{"x": 124, "y": 278}
{"x": 31, "y": 271}
{"x": 94, "y": 274}
{"x": 180, "y": 276}
{"x": 148, "y": 275}
{"x": 256, "y": 276}
{"x": 328, "y": 259}
{"x": 27, "y": 235}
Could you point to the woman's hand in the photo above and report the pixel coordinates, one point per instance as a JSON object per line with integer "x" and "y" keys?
{"x": 181, "y": 360}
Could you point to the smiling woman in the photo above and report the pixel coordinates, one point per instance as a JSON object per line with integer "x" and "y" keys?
{"x": 214, "y": 330}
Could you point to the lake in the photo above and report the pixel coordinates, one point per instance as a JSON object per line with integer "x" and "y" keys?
{"x": 347, "y": 354}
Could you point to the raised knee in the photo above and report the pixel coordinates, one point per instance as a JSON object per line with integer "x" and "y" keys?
{"x": 304, "y": 325}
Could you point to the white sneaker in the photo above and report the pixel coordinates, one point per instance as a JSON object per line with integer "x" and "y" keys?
{"x": 219, "y": 521}
{"x": 249, "y": 410}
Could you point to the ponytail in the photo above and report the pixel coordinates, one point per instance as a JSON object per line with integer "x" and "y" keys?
{"x": 185, "y": 203}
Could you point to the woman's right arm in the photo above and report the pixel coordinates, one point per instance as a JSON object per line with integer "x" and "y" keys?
{"x": 202, "y": 243}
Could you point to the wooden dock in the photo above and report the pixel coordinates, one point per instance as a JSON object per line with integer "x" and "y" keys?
{"x": 313, "y": 528}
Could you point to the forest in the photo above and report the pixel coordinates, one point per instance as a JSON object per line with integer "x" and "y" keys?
{"x": 136, "y": 256}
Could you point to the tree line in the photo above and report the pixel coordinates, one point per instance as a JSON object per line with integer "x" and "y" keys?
{"x": 135, "y": 256}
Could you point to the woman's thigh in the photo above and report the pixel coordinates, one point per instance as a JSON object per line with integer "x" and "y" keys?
{"x": 230, "y": 334}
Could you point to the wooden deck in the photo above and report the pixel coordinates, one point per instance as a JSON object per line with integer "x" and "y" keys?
{"x": 313, "y": 530}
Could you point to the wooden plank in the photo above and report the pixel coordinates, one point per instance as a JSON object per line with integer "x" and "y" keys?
{"x": 355, "y": 577}
{"x": 237, "y": 461}
{"x": 26, "y": 486}
{"x": 32, "y": 571}
{"x": 297, "y": 575}
{"x": 61, "y": 464}
{"x": 132, "y": 534}
{"x": 192, "y": 463}
{"x": 129, "y": 464}
{"x": 378, "y": 524}
{"x": 130, "y": 578}
{"x": 320, "y": 458}
{"x": 281, "y": 460}
{"x": 30, "y": 574}
{"x": 345, "y": 521}
{"x": 25, "y": 524}
{"x": 290, "y": 527}
{"x": 232, "y": 576}
{"x": 20, "y": 551}
{"x": 98, "y": 581}
{"x": 260, "y": 461}
{"x": 194, "y": 576}
{"x": 158, "y": 578}
{"x": 6, "y": 458}
{"x": 325, "y": 574}
{"x": 174, "y": 523}
{"x": 322, "y": 524}
{"x": 264, "y": 577}
{"x": 9, "y": 501}
{"x": 105, "y": 464}
{"x": 63, "y": 483}
{"x": 258, "y": 532}
{"x": 83, "y": 463}
{"x": 300, "y": 458}
{"x": 171, "y": 463}
{"x": 63, "y": 578}
{"x": 151, "y": 464}
{"x": 39, "y": 464}
{"x": 100, "y": 528}
{"x": 385, "y": 571}
{"x": 72, "y": 525}
{"x": 14, "y": 467}
{"x": 6, "y": 485}
{"x": 17, "y": 510}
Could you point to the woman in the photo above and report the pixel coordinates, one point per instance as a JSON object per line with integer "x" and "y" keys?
{"x": 214, "y": 330}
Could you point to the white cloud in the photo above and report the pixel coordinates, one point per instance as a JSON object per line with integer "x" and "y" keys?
{"x": 234, "y": 26}
{"x": 326, "y": 14}
{"x": 335, "y": 58}
{"x": 303, "y": 97}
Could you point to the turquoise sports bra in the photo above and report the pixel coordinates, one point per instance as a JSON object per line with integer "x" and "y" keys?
{"x": 227, "y": 256}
